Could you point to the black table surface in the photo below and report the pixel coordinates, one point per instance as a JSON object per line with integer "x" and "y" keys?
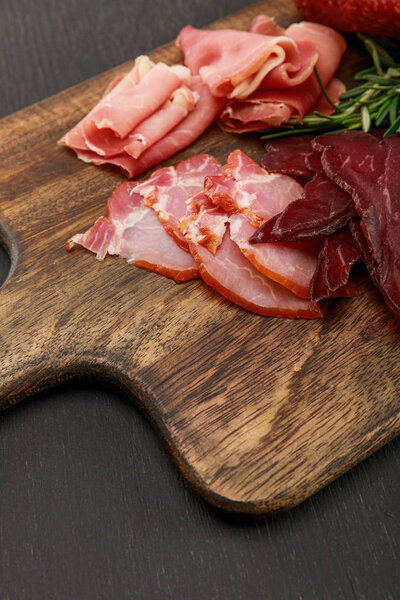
{"x": 90, "y": 505}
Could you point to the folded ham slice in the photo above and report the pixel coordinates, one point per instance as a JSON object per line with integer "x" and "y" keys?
{"x": 167, "y": 190}
{"x": 189, "y": 129}
{"x": 236, "y": 63}
{"x": 232, "y": 275}
{"x": 270, "y": 107}
{"x": 134, "y": 232}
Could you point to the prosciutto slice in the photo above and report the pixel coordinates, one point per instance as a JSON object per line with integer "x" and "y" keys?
{"x": 167, "y": 190}
{"x": 368, "y": 170}
{"x": 133, "y": 231}
{"x": 270, "y": 107}
{"x": 188, "y": 130}
{"x": 123, "y": 110}
{"x": 236, "y": 63}
{"x": 232, "y": 275}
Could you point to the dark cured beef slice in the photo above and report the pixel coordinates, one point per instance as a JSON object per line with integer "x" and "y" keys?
{"x": 322, "y": 209}
{"x": 368, "y": 169}
{"x": 337, "y": 255}
{"x": 292, "y": 156}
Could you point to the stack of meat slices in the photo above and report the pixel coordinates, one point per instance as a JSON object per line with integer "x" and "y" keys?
{"x": 195, "y": 219}
{"x": 352, "y": 204}
{"x": 144, "y": 117}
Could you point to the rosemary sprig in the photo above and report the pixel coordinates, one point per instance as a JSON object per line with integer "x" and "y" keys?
{"x": 372, "y": 103}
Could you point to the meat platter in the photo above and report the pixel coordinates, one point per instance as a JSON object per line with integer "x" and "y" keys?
{"x": 257, "y": 413}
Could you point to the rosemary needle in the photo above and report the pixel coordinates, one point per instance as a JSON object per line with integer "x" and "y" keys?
{"x": 374, "y": 102}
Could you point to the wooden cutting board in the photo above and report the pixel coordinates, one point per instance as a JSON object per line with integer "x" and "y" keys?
{"x": 258, "y": 413}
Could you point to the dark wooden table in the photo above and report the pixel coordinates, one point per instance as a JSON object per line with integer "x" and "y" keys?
{"x": 90, "y": 505}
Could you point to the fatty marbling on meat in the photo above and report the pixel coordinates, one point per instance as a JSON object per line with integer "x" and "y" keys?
{"x": 225, "y": 268}
{"x": 133, "y": 231}
{"x": 251, "y": 196}
{"x": 167, "y": 190}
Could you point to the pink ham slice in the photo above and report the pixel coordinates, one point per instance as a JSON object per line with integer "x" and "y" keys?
{"x": 266, "y": 108}
{"x": 149, "y": 131}
{"x": 124, "y": 110}
{"x": 167, "y": 190}
{"x": 246, "y": 187}
{"x": 252, "y": 196}
{"x": 236, "y": 63}
{"x": 234, "y": 277}
{"x": 266, "y": 26}
{"x": 188, "y": 130}
{"x": 134, "y": 232}
{"x": 290, "y": 265}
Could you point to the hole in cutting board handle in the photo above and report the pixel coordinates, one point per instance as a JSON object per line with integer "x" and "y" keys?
{"x": 8, "y": 255}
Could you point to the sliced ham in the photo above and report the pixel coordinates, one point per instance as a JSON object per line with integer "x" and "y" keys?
{"x": 236, "y": 63}
{"x": 167, "y": 190}
{"x": 189, "y": 129}
{"x": 133, "y": 231}
{"x": 291, "y": 266}
{"x": 246, "y": 187}
{"x": 232, "y": 275}
{"x": 268, "y": 107}
{"x": 251, "y": 196}
{"x": 124, "y": 110}
{"x": 266, "y": 26}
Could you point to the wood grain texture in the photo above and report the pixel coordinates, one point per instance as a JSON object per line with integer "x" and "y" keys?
{"x": 258, "y": 413}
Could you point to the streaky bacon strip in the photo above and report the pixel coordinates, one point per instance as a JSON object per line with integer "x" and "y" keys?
{"x": 167, "y": 190}
{"x": 322, "y": 209}
{"x": 134, "y": 232}
{"x": 337, "y": 255}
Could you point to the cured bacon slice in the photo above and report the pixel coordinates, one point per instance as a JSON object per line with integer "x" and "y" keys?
{"x": 368, "y": 170}
{"x": 291, "y": 266}
{"x": 233, "y": 276}
{"x": 271, "y": 107}
{"x": 236, "y": 63}
{"x": 292, "y": 156}
{"x": 134, "y": 232}
{"x": 322, "y": 209}
{"x": 246, "y": 187}
{"x": 337, "y": 255}
{"x": 167, "y": 190}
